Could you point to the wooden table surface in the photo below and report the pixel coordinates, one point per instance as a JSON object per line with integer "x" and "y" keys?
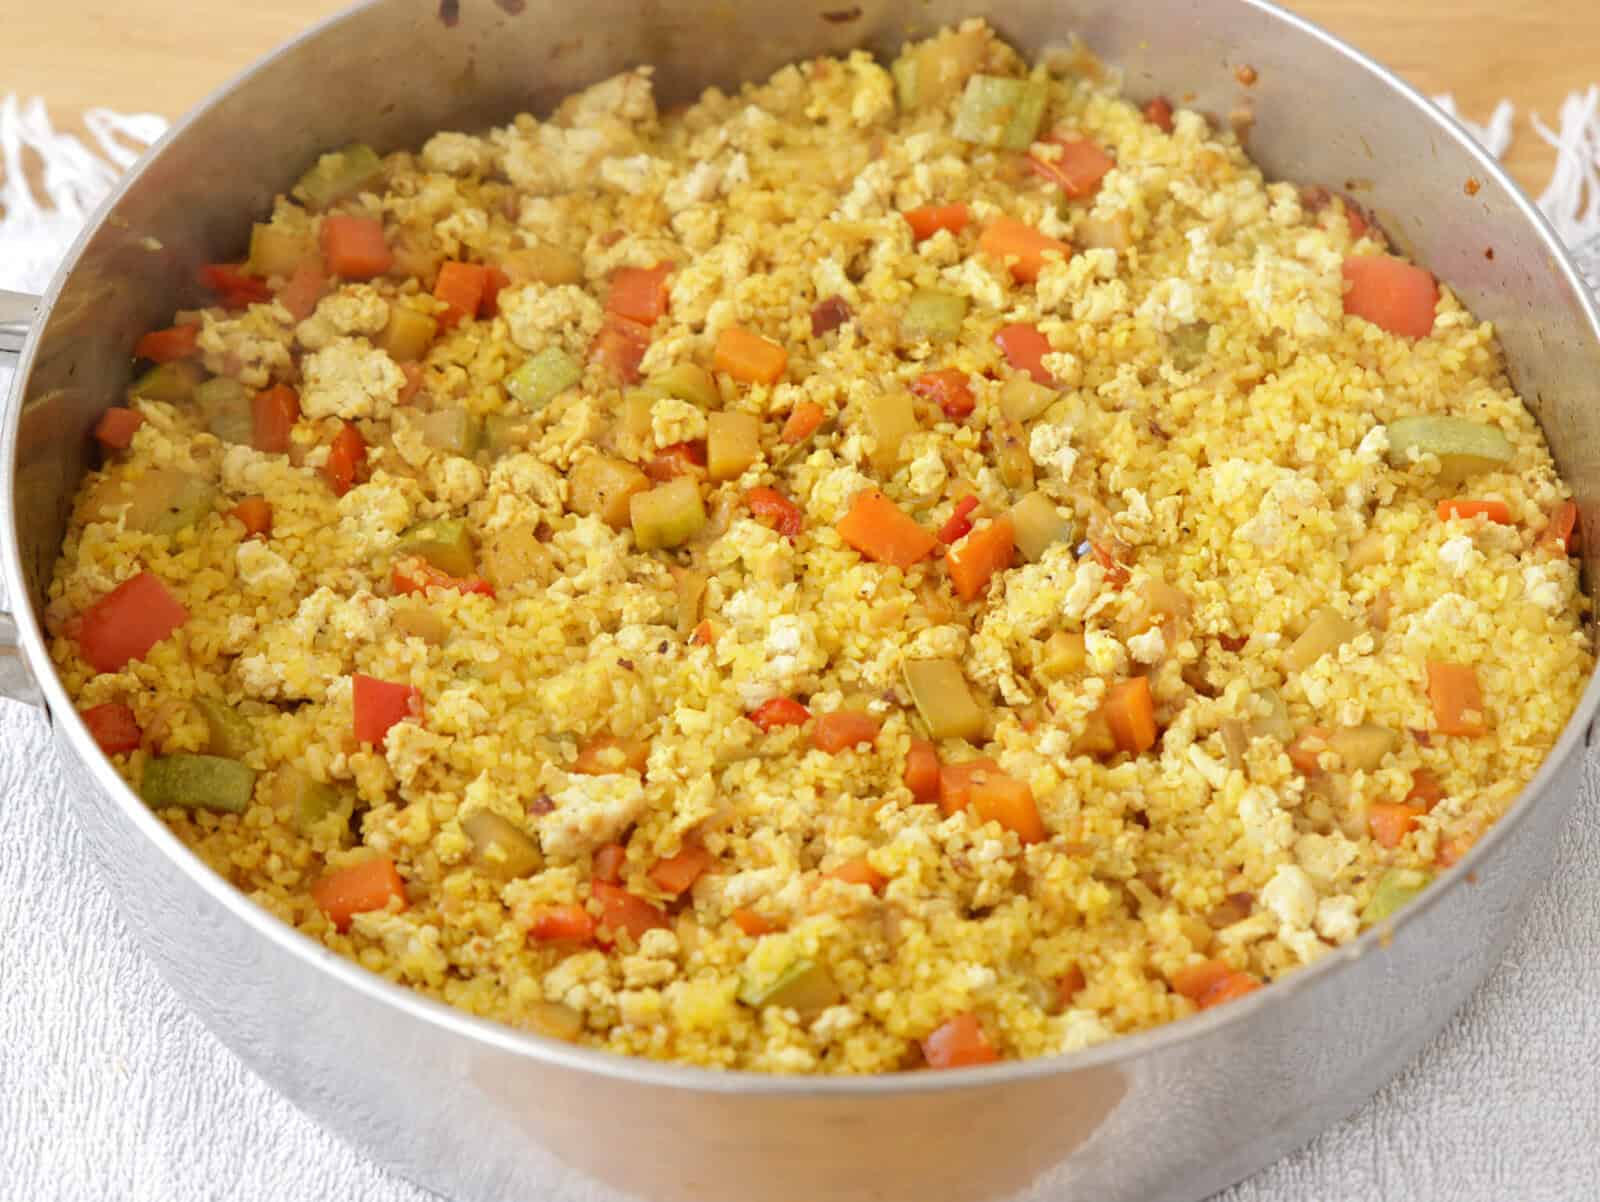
{"x": 163, "y": 55}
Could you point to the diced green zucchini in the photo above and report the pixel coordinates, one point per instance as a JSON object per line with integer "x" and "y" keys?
{"x": 668, "y": 515}
{"x": 1327, "y": 631}
{"x": 1001, "y": 112}
{"x": 166, "y": 500}
{"x": 1464, "y": 447}
{"x": 499, "y": 847}
{"x": 340, "y": 175}
{"x": 1038, "y": 525}
{"x": 891, "y": 418}
{"x": 170, "y": 382}
{"x": 453, "y": 430}
{"x": 733, "y": 443}
{"x": 230, "y": 734}
{"x": 599, "y": 484}
{"x": 444, "y": 542}
{"x": 1022, "y": 399}
{"x": 931, "y": 73}
{"x": 940, "y": 693}
{"x": 407, "y": 335}
{"x": 198, "y": 782}
{"x": 803, "y": 985}
{"x": 1396, "y": 888}
{"x": 685, "y": 382}
{"x": 544, "y": 377}
{"x": 309, "y": 799}
{"x": 1362, "y": 748}
{"x": 275, "y": 251}
{"x": 225, "y": 404}
{"x": 933, "y": 315}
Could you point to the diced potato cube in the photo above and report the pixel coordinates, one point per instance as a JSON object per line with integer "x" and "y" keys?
{"x": 417, "y": 619}
{"x": 933, "y": 316}
{"x": 543, "y": 263}
{"x": 733, "y": 443}
{"x": 499, "y": 847}
{"x": 1038, "y": 525}
{"x": 276, "y": 251}
{"x": 890, "y": 418}
{"x": 1362, "y": 748}
{"x": 668, "y": 515}
{"x": 1327, "y": 631}
{"x": 686, "y": 382}
{"x": 513, "y": 555}
{"x": 604, "y": 486}
{"x": 1064, "y": 653}
{"x": 940, "y": 693}
{"x": 1022, "y": 398}
{"x": 407, "y": 335}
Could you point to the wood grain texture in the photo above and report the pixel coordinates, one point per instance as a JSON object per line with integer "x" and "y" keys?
{"x": 161, "y": 56}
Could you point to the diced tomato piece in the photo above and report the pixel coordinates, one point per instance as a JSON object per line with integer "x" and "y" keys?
{"x": 1079, "y": 168}
{"x": 1021, "y": 247}
{"x": 676, "y": 874}
{"x": 803, "y": 422}
{"x": 301, "y": 292}
{"x": 255, "y": 515}
{"x": 751, "y": 923}
{"x": 782, "y": 514}
{"x": 273, "y": 414}
{"x": 640, "y": 293}
{"x": 959, "y": 524}
{"x": 949, "y": 389}
{"x": 1562, "y": 532}
{"x": 233, "y": 286}
{"x": 608, "y": 862}
{"x": 928, "y": 220}
{"x": 1396, "y": 296}
{"x": 460, "y": 286}
{"x": 165, "y": 346}
{"x": 1390, "y": 822}
{"x": 1495, "y": 511}
{"x": 922, "y": 771}
{"x": 623, "y": 911}
{"x": 115, "y": 429}
{"x": 780, "y": 711}
{"x": 377, "y": 705}
{"x": 842, "y": 729}
{"x": 113, "y": 726}
{"x": 355, "y": 247}
{"x": 679, "y": 459}
{"x": 413, "y": 575}
{"x": 1116, "y": 574}
{"x": 858, "y": 872}
{"x": 828, "y": 315}
{"x": 127, "y": 622}
{"x": 958, "y": 1042}
{"x": 1159, "y": 113}
{"x": 370, "y": 885}
{"x": 562, "y": 924}
{"x": 346, "y": 457}
{"x": 955, "y": 782}
{"x": 619, "y": 348}
{"x": 1025, "y": 348}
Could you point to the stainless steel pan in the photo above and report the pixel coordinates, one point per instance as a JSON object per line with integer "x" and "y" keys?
{"x": 480, "y": 1112}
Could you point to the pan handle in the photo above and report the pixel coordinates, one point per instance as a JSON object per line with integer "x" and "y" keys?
{"x": 17, "y": 311}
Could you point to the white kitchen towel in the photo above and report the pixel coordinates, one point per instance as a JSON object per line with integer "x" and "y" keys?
{"x": 109, "y": 1089}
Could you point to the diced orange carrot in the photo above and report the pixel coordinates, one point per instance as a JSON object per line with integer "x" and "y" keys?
{"x": 949, "y": 389}
{"x": 460, "y": 286}
{"x": 413, "y": 374}
{"x": 623, "y": 911}
{"x": 127, "y": 622}
{"x": 958, "y": 1042}
{"x": 842, "y": 729}
{"x": 1390, "y": 822}
{"x": 165, "y": 346}
{"x": 1305, "y": 753}
{"x": 1231, "y": 990}
{"x": 928, "y": 220}
{"x": 273, "y": 414}
{"x": 1454, "y": 849}
{"x": 1159, "y": 113}
{"x": 782, "y": 514}
{"x": 779, "y": 711}
{"x": 1211, "y": 983}
{"x": 1078, "y": 170}
{"x": 568, "y": 923}
{"x": 619, "y": 348}
{"x": 608, "y": 862}
{"x": 255, "y": 514}
{"x": 1025, "y": 348}
{"x": 1070, "y": 984}
{"x": 640, "y": 293}
{"x": 1008, "y": 801}
{"x": 1129, "y": 711}
{"x": 377, "y": 705}
{"x": 956, "y": 781}
{"x": 974, "y": 560}
{"x": 959, "y": 524}
{"x": 233, "y": 286}
{"x": 883, "y": 532}
{"x": 858, "y": 872}
{"x": 115, "y": 429}
{"x": 1495, "y": 511}
{"x": 346, "y": 457}
{"x": 804, "y": 420}
{"x": 1021, "y": 247}
{"x": 1426, "y": 789}
{"x": 749, "y": 357}
{"x": 1457, "y": 699}
{"x": 751, "y": 923}
{"x": 354, "y": 247}
{"x": 113, "y": 726}
{"x": 413, "y": 575}
{"x": 370, "y": 885}
{"x": 922, "y": 771}
{"x": 675, "y": 874}
{"x": 679, "y": 459}
{"x": 301, "y": 292}
{"x": 1562, "y": 531}
{"x": 604, "y": 754}
{"x": 1393, "y": 295}
{"x": 704, "y": 634}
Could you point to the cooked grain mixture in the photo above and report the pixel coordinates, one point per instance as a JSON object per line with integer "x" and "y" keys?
{"x": 891, "y": 567}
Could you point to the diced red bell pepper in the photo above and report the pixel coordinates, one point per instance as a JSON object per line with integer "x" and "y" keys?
{"x": 165, "y": 346}
{"x": 959, "y": 524}
{"x": 1562, "y": 532}
{"x": 679, "y": 459}
{"x": 804, "y": 421}
{"x": 233, "y": 287}
{"x": 346, "y": 457}
{"x": 377, "y": 705}
{"x": 414, "y": 575}
{"x": 562, "y": 924}
{"x": 782, "y": 514}
{"x": 113, "y": 726}
{"x": 780, "y": 711}
{"x": 619, "y": 348}
{"x": 676, "y": 874}
{"x": 640, "y": 293}
{"x": 624, "y": 911}
{"x": 1159, "y": 113}
{"x": 949, "y": 389}
{"x": 958, "y": 1042}
{"x": 928, "y": 220}
{"x": 608, "y": 862}
{"x": 127, "y": 622}
{"x": 1079, "y": 169}
{"x": 1025, "y": 348}
{"x": 115, "y": 429}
